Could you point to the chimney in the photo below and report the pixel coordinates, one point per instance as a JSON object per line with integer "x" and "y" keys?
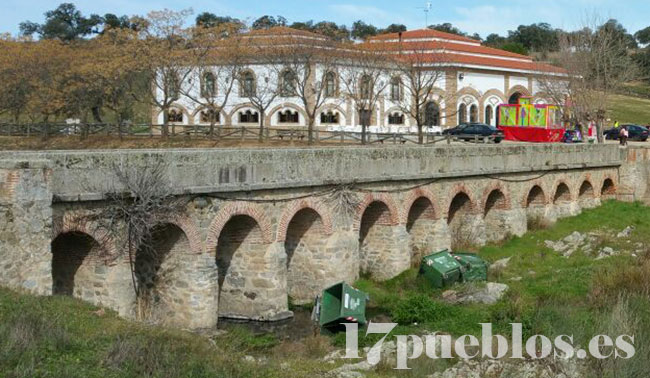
{"x": 400, "y": 36}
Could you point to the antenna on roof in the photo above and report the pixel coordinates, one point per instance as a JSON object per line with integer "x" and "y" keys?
{"x": 426, "y": 8}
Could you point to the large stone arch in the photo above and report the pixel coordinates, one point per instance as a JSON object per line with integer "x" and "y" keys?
{"x": 586, "y": 192}
{"x": 608, "y": 188}
{"x": 496, "y": 211}
{"x": 564, "y": 199}
{"x": 422, "y": 219}
{"x": 76, "y": 222}
{"x": 77, "y": 261}
{"x": 383, "y": 241}
{"x": 466, "y": 226}
{"x": 251, "y": 268}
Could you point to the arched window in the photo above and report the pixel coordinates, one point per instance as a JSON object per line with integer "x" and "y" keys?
{"x": 396, "y": 119}
{"x": 488, "y": 115}
{"x": 432, "y": 114}
{"x": 247, "y": 87}
{"x": 288, "y": 116}
{"x": 462, "y": 114}
{"x": 473, "y": 113}
{"x": 175, "y": 115}
{"x": 330, "y": 84}
{"x": 249, "y": 117}
{"x": 365, "y": 87}
{"x": 514, "y": 99}
{"x": 396, "y": 89}
{"x": 288, "y": 84}
{"x": 329, "y": 117}
{"x": 208, "y": 85}
{"x": 210, "y": 116}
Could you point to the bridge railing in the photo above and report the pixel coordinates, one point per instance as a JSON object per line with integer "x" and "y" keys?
{"x": 243, "y": 133}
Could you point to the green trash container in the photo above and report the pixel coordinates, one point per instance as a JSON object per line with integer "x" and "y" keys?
{"x": 475, "y": 268}
{"x": 441, "y": 269}
{"x": 341, "y": 303}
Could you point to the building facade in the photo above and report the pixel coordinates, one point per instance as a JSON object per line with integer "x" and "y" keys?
{"x": 472, "y": 80}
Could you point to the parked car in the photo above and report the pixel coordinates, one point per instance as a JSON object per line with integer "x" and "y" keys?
{"x": 468, "y": 131}
{"x": 636, "y": 132}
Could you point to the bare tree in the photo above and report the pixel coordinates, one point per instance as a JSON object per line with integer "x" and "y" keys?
{"x": 419, "y": 72}
{"x": 217, "y": 60}
{"x": 303, "y": 72}
{"x": 138, "y": 201}
{"x": 162, "y": 52}
{"x": 364, "y": 78}
{"x": 595, "y": 65}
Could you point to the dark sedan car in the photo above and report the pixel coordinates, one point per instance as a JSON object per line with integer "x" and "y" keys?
{"x": 480, "y": 131}
{"x": 636, "y": 132}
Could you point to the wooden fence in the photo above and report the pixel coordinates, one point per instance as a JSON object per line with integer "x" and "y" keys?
{"x": 243, "y": 133}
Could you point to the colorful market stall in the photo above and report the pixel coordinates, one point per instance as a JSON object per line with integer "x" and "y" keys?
{"x": 528, "y": 122}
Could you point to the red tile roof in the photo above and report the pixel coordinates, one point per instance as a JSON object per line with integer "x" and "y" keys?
{"x": 423, "y": 33}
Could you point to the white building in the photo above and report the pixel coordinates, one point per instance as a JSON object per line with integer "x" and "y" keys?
{"x": 472, "y": 81}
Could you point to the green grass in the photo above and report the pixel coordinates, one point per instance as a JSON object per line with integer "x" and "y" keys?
{"x": 63, "y": 337}
{"x": 629, "y": 109}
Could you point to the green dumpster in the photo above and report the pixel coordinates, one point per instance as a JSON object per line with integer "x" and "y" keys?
{"x": 341, "y": 303}
{"x": 441, "y": 269}
{"x": 475, "y": 268}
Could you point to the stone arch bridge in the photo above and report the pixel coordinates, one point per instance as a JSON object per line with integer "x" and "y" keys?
{"x": 259, "y": 227}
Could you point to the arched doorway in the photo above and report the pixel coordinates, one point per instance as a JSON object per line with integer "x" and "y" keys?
{"x": 586, "y": 195}
{"x": 608, "y": 191}
{"x": 514, "y": 98}
{"x": 461, "y": 227}
{"x": 535, "y": 204}
{"x": 304, "y": 245}
{"x": 562, "y": 194}
{"x": 432, "y": 114}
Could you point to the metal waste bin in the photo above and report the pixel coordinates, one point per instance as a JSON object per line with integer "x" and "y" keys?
{"x": 441, "y": 269}
{"x": 340, "y": 303}
{"x": 475, "y": 268}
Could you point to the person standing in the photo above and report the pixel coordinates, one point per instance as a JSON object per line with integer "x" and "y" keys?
{"x": 616, "y": 125}
{"x": 622, "y": 136}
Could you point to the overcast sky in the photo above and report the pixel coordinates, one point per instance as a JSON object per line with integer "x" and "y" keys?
{"x": 473, "y": 16}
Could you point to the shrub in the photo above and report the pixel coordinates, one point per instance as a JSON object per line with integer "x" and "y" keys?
{"x": 420, "y": 308}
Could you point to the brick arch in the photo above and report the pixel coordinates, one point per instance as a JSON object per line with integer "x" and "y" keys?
{"x": 231, "y": 210}
{"x": 79, "y": 223}
{"x": 599, "y": 190}
{"x": 545, "y": 192}
{"x": 384, "y": 198}
{"x": 565, "y": 181}
{"x": 465, "y": 91}
{"x": 588, "y": 178}
{"x": 415, "y": 195}
{"x": 457, "y": 189}
{"x": 491, "y": 93}
{"x": 302, "y": 204}
{"x": 189, "y": 228}
{"x": 491, "y": 188}
{"x": 284, "y": 106}
{"x": 517, "y": 88}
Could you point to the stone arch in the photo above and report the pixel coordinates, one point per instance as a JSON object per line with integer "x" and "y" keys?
{"x": 535, "y": 197}
{"x": 162, "y": 269}
{"x": 287, "y": 105}
{"x": 78, "y": 223}
{"x": 420, "y": 219}
{"x": 75, "y": 257}
{"x": 240, "y": 255}
{"x": 305, "y": 246}
{"x": 233, "y": 209}
{"x": 386, "y": 199}
{"x": 586, "y": 190}
{"x": 562, "y": 193}
{"x": 495, "y": 197}
{"x": 191, "y": 230}
{"x": 495, "y": 214}
{"x": 455, "y": 191}
{"x": 608, "y": 189}
{"x": 461, "y": 218}
{"x": 468, "y": 91}
{"x": 295, "y": 207}
{"x": 489, "y": 94}
{"x": 374, "y": 228}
